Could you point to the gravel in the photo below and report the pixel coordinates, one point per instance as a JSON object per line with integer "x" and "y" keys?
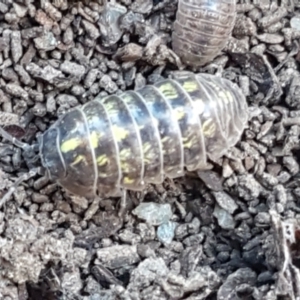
{"x": 231, "y": 232}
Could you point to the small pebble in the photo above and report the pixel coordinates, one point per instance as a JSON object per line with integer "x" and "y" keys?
{"x": 295, "y": 23}
{"x": 225, "y": 219}
{"x": 153, "y": 213}
{"x": 166, "y": 232}
{"x": 225, "y": 201}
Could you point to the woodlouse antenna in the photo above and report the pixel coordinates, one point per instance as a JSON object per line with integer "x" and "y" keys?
{"x": 15, "y": 141}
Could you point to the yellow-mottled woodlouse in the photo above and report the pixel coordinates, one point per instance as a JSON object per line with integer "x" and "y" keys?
{"x": 126, "y": 141}
{"x": 202, "y": 29}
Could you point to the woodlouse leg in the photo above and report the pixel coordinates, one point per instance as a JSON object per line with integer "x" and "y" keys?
{"x": 219, "y": 70}
{"x": 16, "y": 142}
{"x": 122, "y": 209}
{"x": 213, "y": 66}
{"x": 295, "y": 50}
{"x": 21, "y": 179}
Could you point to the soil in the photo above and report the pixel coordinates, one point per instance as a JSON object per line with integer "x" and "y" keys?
{"x": 230, "y": 232}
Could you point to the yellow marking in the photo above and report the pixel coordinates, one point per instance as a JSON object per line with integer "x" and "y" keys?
{"x": 77, "y": 160}
{"x": 223, "y": 97}
{"x": 124, "y": 163}
{"x": 70, "y": 145}
{"x": 94, "y": 137}
{"x": 165, "y": 139}
{"x": 179, "y": 114}
{"x": 104, "y": 175}
{"x": 126, "y": 152}
{"x": 128, "y": 180}
{"x": 148, "y": 153}
{"x": 199, "y": 106}
{"x": 168, "y": 90}
{"x": 127, "y": 97}
{"x": 111, "y": 107}
{"x": 102, "y": 160}
{"x": 147, "y": 159}
{"x": 119, "y": 133}
{"x": 89, "y": 118}
{"x": 146, "y": 147}
{"x": 209, "y": 128}
{"x": 190, "y": 86}
{"x": 229, "y": 95}
{"x": 125, "y": 167}
{"x": 187, "y": 143}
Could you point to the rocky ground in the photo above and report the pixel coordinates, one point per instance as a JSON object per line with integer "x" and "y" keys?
{"x": 227, "y": 233}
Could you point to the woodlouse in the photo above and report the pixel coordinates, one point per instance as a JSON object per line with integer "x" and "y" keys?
{"x": 127, "y": 141}
{"x": 202, "y": 29}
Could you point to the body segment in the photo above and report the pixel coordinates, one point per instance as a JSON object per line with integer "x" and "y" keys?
{"x": 129, "y": 140}
{"x": 202, "y": 29}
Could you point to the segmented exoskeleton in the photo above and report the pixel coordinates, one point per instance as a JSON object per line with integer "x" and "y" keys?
{"x": 126, "y": 141}
{"x": 202, "y": 29}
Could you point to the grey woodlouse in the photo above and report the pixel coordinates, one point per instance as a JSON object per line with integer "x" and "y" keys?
{"x": 124, "y": 142}
{"x": 202, "y": 29}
